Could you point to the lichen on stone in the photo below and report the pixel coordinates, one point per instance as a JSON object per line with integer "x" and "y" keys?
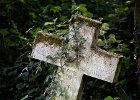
{"x": 48, "y": 39}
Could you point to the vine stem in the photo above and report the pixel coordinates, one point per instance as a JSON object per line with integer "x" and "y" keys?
{"x": 76, "y": 44}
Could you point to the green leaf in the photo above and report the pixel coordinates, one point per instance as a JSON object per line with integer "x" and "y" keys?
{"x": 109, "y": 98}
{"x": 82, "y": 8}
{"x": 112, "y": 15}
{"x": 12, "y": 30}
{"x": 4, "y": 32}
{"x": 37, "y": 29}
{"x": 102, "y": 32}
{"x": 100, "y": 42}
{"x": 32, "y": 14}
{"x": 60, "y": 32}
{"x": 122, "y": 82}
{"x": 127, "y": 62}
{"x": 74, "y": 7}
{"x": 116, "y": 98}
{"x": 14, "y": 24}
{"x": 22, "y": 1}
{"x": 56, "y": 9}
{"x": 128, "y": 2}
{"x": 88, "y": 14}
{"x": 132, "y": 41}
{"x": 20, "y": 86}
{"x": 121, "y": 9}
{"x": 105, "y": 26}
{"x": 125, "y": 47}
{"x": 48, "y": 23}
{"x": 24, "y": 98}
{"x": 119, "y": 41}
{"x": 112, "y": 38}
{"x": 63, "y": 18}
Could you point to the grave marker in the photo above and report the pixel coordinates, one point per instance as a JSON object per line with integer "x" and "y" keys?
{"x": 87, "y": 59}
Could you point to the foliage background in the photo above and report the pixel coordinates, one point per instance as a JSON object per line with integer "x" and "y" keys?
{"x": 23, "y": 78}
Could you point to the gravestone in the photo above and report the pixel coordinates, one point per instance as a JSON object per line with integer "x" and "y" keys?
{"x": 82, "y": 57}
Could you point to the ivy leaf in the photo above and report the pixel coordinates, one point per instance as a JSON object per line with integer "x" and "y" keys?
{"x": 20, "y": 86}
{"x": 82, "y": 8}
{"x": 4, "y": 32}
{"x": 127, "y": 62}
{"x": 74, "y": 7}
{"x": 119, "y": 41}
{"x": 48, "y": 23}
{"x": 37, "y": 29}
{"x": 102, "y": 32}
{"x": 128, "y": 2}
{"x": 121, "y": 9}
{"x": 24, "y": 98}
{"x": 63, "y": 18}
{"x": 105, "y": 26}
{"x": 88, "y": 14}
{"x": 122, "y": 82}
{"x": 112, "y": 38}
{"x": 100, "y": 42}
{"x": 56, "y": 9}
{"x": 109, "y": 98}
{"x": 116, "y": 98}
{"x": 131, "y": 41}
{"x": 22, "y": 1}
{"x": 125, "y": 47}
{"x": 32, "y": 14}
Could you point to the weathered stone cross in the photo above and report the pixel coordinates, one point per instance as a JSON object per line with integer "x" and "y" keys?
{"x": 87, "y": 60}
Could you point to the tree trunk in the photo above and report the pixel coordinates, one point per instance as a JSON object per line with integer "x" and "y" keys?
{"x": 137, "y": 19}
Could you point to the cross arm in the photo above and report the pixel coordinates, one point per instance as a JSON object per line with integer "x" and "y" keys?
{"x": 47, "y": 48}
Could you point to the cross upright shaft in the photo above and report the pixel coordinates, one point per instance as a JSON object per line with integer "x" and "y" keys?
{"x": 91, "y": 61}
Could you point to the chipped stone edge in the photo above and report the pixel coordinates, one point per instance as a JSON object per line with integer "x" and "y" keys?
{"x": 109, "y": 53}
{"x": 80, "y": 18}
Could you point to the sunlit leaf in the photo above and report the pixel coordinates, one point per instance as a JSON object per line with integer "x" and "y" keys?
{"x": 109, "y": 98}
{"x": 37, "y": 29}
{"x": 119, "y": 41}
{"x": 112, "y": 38}
{"x": 128, "y": 2}
{"x": 100, "y": 42}
{"x": 88, "y": 14}
{"x": 82, "y": 8}
{"x": 105, "y": 26}
{"x": 23, "y": 1}
{"x": 116, "y": 98}
{"x": 102, "y": 32}
{"x": 131, "y": 41}
{"x": 48, "y": 23}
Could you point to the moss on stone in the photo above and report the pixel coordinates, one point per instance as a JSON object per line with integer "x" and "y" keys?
{"x": 48, "y": 39}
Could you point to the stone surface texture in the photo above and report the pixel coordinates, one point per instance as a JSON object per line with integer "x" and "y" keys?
{"x": 92, "y": 61}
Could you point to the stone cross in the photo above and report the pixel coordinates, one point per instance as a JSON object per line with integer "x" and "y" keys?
{"x": 86, "y": 59}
